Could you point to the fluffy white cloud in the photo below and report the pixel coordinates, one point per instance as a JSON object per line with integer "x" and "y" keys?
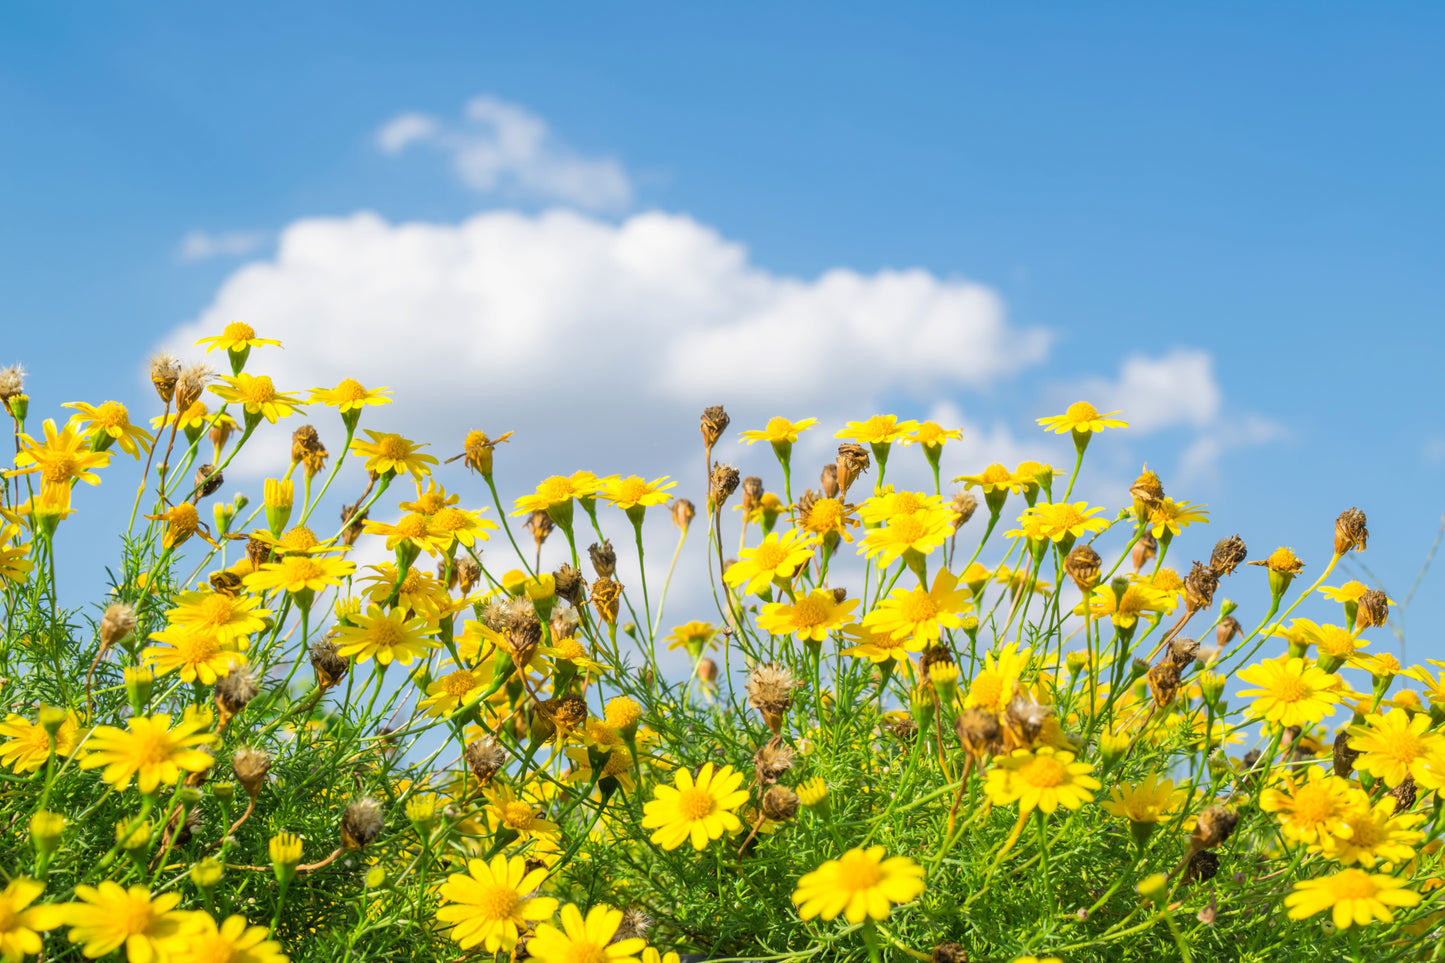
{"x": 1178, "y": 388}
{"x": 202, "y": 245}
{"x": 501, "y": 147}
{"x": 561, "y": 323}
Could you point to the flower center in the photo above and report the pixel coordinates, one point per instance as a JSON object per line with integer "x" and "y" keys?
{"x": 905, "y": 503}
{"x": 809, "y": 612}
{"x": 259, "y": 390}
{"x": 555, "y": 489}
{"x": 212, "y": 949}
{"x": 518, "y": 815}
{"x": 112, "y": 414}
{"x": 151, "y": 749}
{"x": 769, "y": 556}
{"x": 239, "y": 331}
{"x": 449, "y": 520}
{"x": 858, "y": 873}
{"x": 412, "y": 526}
{"x": 586, "y": 953}
{"x": 1045, "y": 772}
{"x": 385, "y": 634}
{"x": 430, "y": 503}
{"x": 918, "y": 607}
{"x": 497, "y": 903}
{"x": 1403, "y": 746}
{"x": 217, "y": 610}
{"x": 299, "y": 568}
{"x": 393, "y": 447}
{"x": 458, "y": 684}
{"x": 695, "y": 803}
{"x": 299, "y": 539}
{"x": 906, "y": 528}
{"x": 1291, "y": 688}
{"x": 59, "y": 467}
{"x": 825, "y": 514}
{"x": 1313, "y": 805}
{"x": 350, "y": 390}
{"x": 1082, "y": 411}
{"x": 986, "y": 689}
{"x": 1353, "y": 884}
{"x": 631, "y": 490}
{"x": 185, "y": 518}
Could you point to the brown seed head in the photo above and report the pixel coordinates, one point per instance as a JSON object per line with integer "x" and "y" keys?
{"x": 352, "y": 523}
{"x": 1374, "y": 609}
{"x": 250, "y": 766}
{"x": 771, "y": 761}
{"x": 540, "y": 524}
{"x": 964, "y": 505}
{"x": 235, "y": 690}
{"x": 117, "y": 622}
{"x": 1350, "y": 531}
{"x": 225, "y": 582}
{"x": 828, "y": 480}
{"x": 565, "y": 714}
{"x": 1228, "y": 554}
{"x": 257, "y": 551}
{"x": 780, "y": 804}
{"x": 606, "y": 597}
{"x": 721, "y": 485}
{"x": 683, "y": 513}
{"x": 707, "y": 670}
{"x": 770, "y": 691}
{"x": 564, "y": 621}
{"x": 361, "y": 823}
{"x": 208, "y": 481}
{"x": 1404, "y": 795}
{"x": 715, "y": 421}
{"x": 570, "y": 585}
{"x": 1202, "y": 867}
{"x": 191, "y": 384}
{"x": 979, "y": 732}
{"x": 1147, "y": 493}
{"x": 330, "y": 666}
{"x": 1025, "y": 718}
{"x": 604, "y": 558}
{"x": 949, "y": 953}
{"x": 1344, "y": 755}
{"x": 933, "y": 655}
{"x": 635, "y": 924}
{"x": 306, "y": 448}
{"x": 165, "y": 371}
{"x": 220, "y": 434}
{"x": 1227, "y": 629}
{"x": 486, "y": 759}
{"x": 1163, "y": 682}
{"x": 521, "y": 630}
{"x": 1199, "y": 587}
{"x": 852, "y": 461}
{"x": 1182, "y": 651}
{"x": 1215, "y": 825}
{"x": 1082, "y": 565}
{"x": 466, "y": 572}
{"x": 1145, "y": 549}
{"x": 752, "y": 494}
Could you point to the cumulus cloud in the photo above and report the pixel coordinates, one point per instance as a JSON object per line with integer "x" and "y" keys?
{"x": 1199, "y": 462}
{"x": 203, "y": 245}
{"x": 1177, "y": 388}
{"x": 503, "y": 148}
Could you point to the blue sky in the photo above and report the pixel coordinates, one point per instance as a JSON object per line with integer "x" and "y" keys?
{"x": 1246, "y": 197}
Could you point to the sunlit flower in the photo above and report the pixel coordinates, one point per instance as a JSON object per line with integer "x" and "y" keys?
{"x": 490, "y": 905}
{"x": 698, "y": 809}
{"x": 233, "y": 941}
{"x": 448, "y": 692}
{"x": 421, "y": 591}
{"x": 778, "y": 556}
{"x": 1172, "y": 517}
{"x": 1349, "y": 592}
{"x": 27, "y": 745}
{"x": 1373, "y": 832}
{"x": 228, "y": 617}
{"x": 930, "y": 434}
{"x": 694, "y": 637}
{"x": 297, "y": 573}
{"x": 150, "y": 750}
{"x": 1146, "y": 802}
{"x": 1394, "y": 745}
{"x": 109, "y": 917}
{"x": 1292, "y": 692}
{"x": 921, "y": 532}
{"x": 861, "y": 884}
{"x": 634, "y": 491}
{"x": 878, "y": 430}
{"x": 811, "y": 617}
{"x": 1057, "y": 521}
{"x": 111, "y": 422}
{"x": 349, "y": 395}
{"x": 778, "y": 430}
{"x": 1310, "y": 805}
{"x": 63, "y": 457}
{"x": 258, "y": 395}
{"x": 1043, "y": 779}
{"x": 387, "y": 452}
{"x": 506, "y": 812}
{"x": 888, "y": 504}
{"x": 198, "y": 654}
{"x": 995, "y": 684}
{"x": 994, "y": 478}
{"x": 1083, "y": 418}
{"x": 1353, "y": 896}
{"x": 922, "y": 614}
{"x": 587, "y": 940}
{"x": 234, "y": 337}
{"x": 15, "y": 566}
{"x": 824, "y": 516}
{"x": 1139, "y": 597}
{"x": 20, "y": 923}
{"x": 387, "y": 636}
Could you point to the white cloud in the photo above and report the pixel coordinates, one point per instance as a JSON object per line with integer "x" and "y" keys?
{"x": 1198, "y": 463}
{"x": 501, "y": 147}
{"x": 1178, "y": 388}
{"x": 202, "y": 245}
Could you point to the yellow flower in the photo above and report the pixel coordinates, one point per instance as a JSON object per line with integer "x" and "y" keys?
{"x": 387, "y": 635}
{"x": 810, "y": 618}
{"x": 1044, "y": 779}
{"x": 919, "y": 613}
{"x": 1393, "y": 746}
{"x": 1282, "y": 561}
{"x": 20, "y": 923}
{"x": 1083, "y": 418}
{"x": 506, "y": 811}
{"x": 111, "y": 422}
{"x": 14, "y": 566}
{"x": 779, "y": 430}
{"x": 1291, "y": 691}
{"x": 584, "y": 941}
{"x": 1148, "y": 802}
{"x": 228, "y": 617}
{"x": 1058, "y": 521}
{"x": 878, "y": 647}
{"x": 110, "y": 917}
{"x": 1349, "y": 592}
{"x": 888, "y": 504}
{"x": 994, "y": 478}
{"x": 64, "y": 457}
{"x": 827, "y": 515}
{"x": 489, "y": 905}
{"x": 556, "y": 491}
{"x": 695, "y": 637}
{"x": 1372, "y": 833}
{"x": 412, "y": 529}
{"x": 447, "y": 693}
{"x": 861, "y": 884}
{"x": 995, "y": 684}
{"x": 635, "y": 492}
{"x": 28, "y": 745}
{"x": 197, "y": 653}
{"x": 1352, "y": 895}
{"x": 778, "y": 556}
{"x": 182, "y": 521}
{"x": 699, "y": 809}
{"x": 477, "y": 450}
{"x": 349, "y": 395}
{"x": 451, "y": 526}
{"x": 151, "y": 752}
{"x": 1172, "y": 517}
{"x": 878, "y": 430}
{"x": 235, "y": 337}
{"x": 258, "y": 394}
{"x": 234, "y": 941}
{"x": 1138, "y": 598}
{"x": 387, "y": 452}
{"x": 1309, "y": 808}
{"x": 920, "y": 531}
{"x": 296, "y": 573}
{"x": 195, "y": 418}
{"x": 421, "y": 591}
{"x": 930, "y": 434}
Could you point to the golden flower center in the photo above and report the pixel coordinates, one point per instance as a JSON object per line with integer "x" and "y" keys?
{"x": 1044, "y": 772}
{"x": 217, "y": 610}
{"x": 458, "y": 684}
{"x": 185, "y": 518}
{"x": 259, "y": 390}
{"x": 987, "y": 689}
{"x": 555, "y": 489}
{"x": 875, "y": 429}
{"x": 350, "y": 390}
{"x": 112, "y": 414}
{"x": 1290, "y": 688}
{"x": 385, "y": 633}
{"x": 995, "y": 475}
{"x": 58, "y": 467}
{"x": 586, "y": 953}
{"x": 393, "y": 447}
{"x": 518, "y": 815}
{"x": 1352, "y": 884}
{"x": 201, "y": 648}
{"x": 450, "y": 520}
{"x": 212, "y": 949}
{"x": 1366, "y": 833}
{"x": 631, "y": 490}
{"x": 907, "y": 528}
{"x": 825, "y": 514}
{"x": 238, "y": 331}
{"x": 858, "y": 873}
{"x": 810, "y": 612}
{"x": 412, "y": 584}
{"x": 1081, "y": 411}
{"x": 299, "y": 539}
{"x": 769, "y": 556}
{"x": 299, "y": 568}
{"x": 905, "y": 503}
{"x": 412, "y": 526}
{"x": 429, "y": 504}
{"x": 497, "y": 903}
{"x": 695, "y": 803}
{"x": 1402, "y": 746}
{"x": 150, "y": 748}
{"x": 1313, "y": 804}
{"x": 918, "y": 607}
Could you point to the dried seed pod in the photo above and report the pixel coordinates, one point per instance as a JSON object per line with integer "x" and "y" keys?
{"x": 828, "y": 480}
{"x": 328, "y": 663}
{"x": 225, "y": 582}
{"x": 1025, "y": 718}
{"x": 780, "y": 804}
{"x": 1374, "y": 609}
{"x": 707, "y": 670}
{"x": 772, "y": 761}
{"x": 251, "y": 766}
{"x": 1404, "y": 795}
{"x": 1082, "y": 565}
{"x": 852, "y": 461}
{"x": 540, "y": 524}
{"x": 770, "y": 691}
{"x": 165, "y": 371}
{"x": 1199, "y": 588}
{"x": 1147, "y": 493}
{"x": 683, "y": 512}
{"x": 721, "y": 485}
{"x": 606, "y": 597}
{"x": 352, "y": 522}
{"x": 1163, "y": 682}
{"x": 979, "y": 732}
{"x": 361, "y": 823}
{"x": 1215, "y": 825}
{"x": 714, "y": 422}
{"x": 466, "y": 572}
{"x": 117, "y": 622}
{"x": 1202, "y": 867}
{"x": 191, "y": 384}
{"x": 1145, "y": 549}
{"x": 1350, "y": 531}
{"x": 1227, "y": 556}
{"x": 949, "y": 953}
{"x": 1227, "y": 629}
{"x": 752, "y": 494}
{"x": 235, "y": 690}
{"x": 964, "y": 505}
{"x": 604, "y": 558}
{"x": 257, "y": 551}
{"x": 486, "y": 759}
{"x": 1344, "y": 756}
{"x": 208, "y": 481}
{"x": 569, "y": 583}
{"x": 1183, "y": 651}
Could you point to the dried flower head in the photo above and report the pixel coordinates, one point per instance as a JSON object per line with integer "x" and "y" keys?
{"x": 1145, "y": 549}
{"x": 1163, "y": 681}
{"x": 570, "y": 585}
{"x": 852, "y": 461}
{"x": 707, "y": 670}
{"x": 564, "y": 714}
{"x": 191, "y": 384}
{"x": 307, "y": 449}
{"x": 1215, "y": 825}
{"x": 721, "y": 484}
{"x": 540, "y": 524}
{"x": 635, "y": 925}
{"x": 1350, "y": 531}
{"x": 165, "y": 371}
{"x": 604, "y": 558}
{"x": 714, "y": 422}
{"x": 207, "y": 482}
{"x": 565, "y": 620}
{"x": 683, "y": 512}
{"x": 235, "y": 690}
{"x": 1202, "y": 867}
{"x": 606, "y": 597}
{"x": 117, "y": 622}
{"x": 1199, "y": 587}
{"x": 979, "y": 732}
{"x": 251, "y": 766}
{"x": 752, "y": 494}
{"x": 1025, "y": 718}
{"x": 1374, "y": 609}
{"x": 1404, "y": 795}
{"x": 1147, "y": 493}
{"x": 328, "y": 663}
{"x": 1228, "y": 554}
{"x": 486, "y": 759}
{"x": 780, "y": 804}
{"x": 1344, "y": 755}
{"x": 466, "y": 572}
{"x": 772, "y": 761}
{"x": 1082, "y": 565}
{"x": 770, "y": 691}
{"x": 964, "y": 505}
{"x": 828, "y": 480}
{"x": 361, "y": 823}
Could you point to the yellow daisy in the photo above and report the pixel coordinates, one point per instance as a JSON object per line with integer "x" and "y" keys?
{"x": 1371, "y": 833}
{"x": 20, "y": 923}
{"x": 634, "y": 491}
{"x": 778, "y": 430}
{"x": 1394, "y": 745}
{"x": 391, "y": 453}
{"x": 888, "y": 504}
{"x": 878, "y": 430}
{"x": 258, "y": 394}
{"x": 65, "y": 456}
{"x": 919, "y": 613}
{"x": 1352, "y": 896}
{"x": 233, "y": 941}
{"x": 227, "y": 617}
{"x": 810, "y": 618}
{"x": 386, "y": 635}
{"x": 695, "y": 637}
{"x": 920, "y": 532}
{"x": 997, "y": 682}
{"x": 109, "y": 917}
{"x": 1044, "y": 779}
{"x": 699, "y": 809}
{"x": 1083, "y": 418}
{"x": 110, "y": 422}
{"x": 861, "y": 884}
{"x": 489, "y": 905}
{"x": 1292, "y": 692}
{"x": 778, "y": 556}
{"x": 1309, "y": 807}
{"x": 151, "y": 752}
{"x": 198, "y": 654}
{"x": 27, "y": 746}
{"x": 298, "y": 573}
{"x": 236, "y": 336}
{"x": 587, "y": 940}
{"x": 349, "y": 395}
